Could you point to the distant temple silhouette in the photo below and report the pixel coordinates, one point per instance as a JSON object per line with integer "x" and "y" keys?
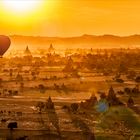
{"x": 27, "y": 52}
{"x": 51, "y": 49}
{"x": 27, "y": 55}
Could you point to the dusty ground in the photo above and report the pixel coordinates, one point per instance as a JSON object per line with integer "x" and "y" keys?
{"x": 118, "y": 123}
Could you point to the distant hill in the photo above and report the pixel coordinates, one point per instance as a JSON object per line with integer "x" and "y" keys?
{"x": 85, "y": 41}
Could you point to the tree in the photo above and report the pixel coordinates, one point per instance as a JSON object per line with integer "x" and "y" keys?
{"x": 119, "y": 80}
{"x": 12, "y": 125}
{"x": 127, "y": 90}
{"x": 1, "y": 82}
{"x": 41, "y": 88}
{"x": 122, "y": 68}
{"x": 11, "y": 73}
{"x": 40, "y": 106}
{"x": 135, "y": 90}
{"x": 103, "y": 95}
{"x": 130, "y": 102}
{"x": 74, "y": 107}
{"x": 137, "y": 79}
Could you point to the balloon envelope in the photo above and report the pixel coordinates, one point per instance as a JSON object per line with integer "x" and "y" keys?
{"x": 4, "y": 44}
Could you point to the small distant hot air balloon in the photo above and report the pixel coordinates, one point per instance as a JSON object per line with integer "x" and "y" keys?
{"x": 4, "y": 44}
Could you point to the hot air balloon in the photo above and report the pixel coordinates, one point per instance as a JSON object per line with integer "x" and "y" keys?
{"x": 4, "y": 44}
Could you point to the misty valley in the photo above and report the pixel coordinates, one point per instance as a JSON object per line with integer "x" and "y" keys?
{"x": 82, "y": 94}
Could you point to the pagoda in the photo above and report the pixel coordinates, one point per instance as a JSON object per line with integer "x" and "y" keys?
{"x": 27, "y": 52}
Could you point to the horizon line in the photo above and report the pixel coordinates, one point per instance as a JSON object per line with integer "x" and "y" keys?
{"x": 75, "y": 35}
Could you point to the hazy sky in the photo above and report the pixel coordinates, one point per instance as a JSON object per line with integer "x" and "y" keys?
{"x": 70, "y": 17}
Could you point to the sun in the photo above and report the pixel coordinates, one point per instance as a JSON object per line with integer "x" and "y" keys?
{"x": 22, "y": 6}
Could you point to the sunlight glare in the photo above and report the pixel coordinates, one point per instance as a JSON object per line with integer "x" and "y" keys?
{"x": 21, "y": 5}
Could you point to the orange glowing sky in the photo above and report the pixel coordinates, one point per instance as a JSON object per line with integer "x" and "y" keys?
{"x": 70, "y": 17}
